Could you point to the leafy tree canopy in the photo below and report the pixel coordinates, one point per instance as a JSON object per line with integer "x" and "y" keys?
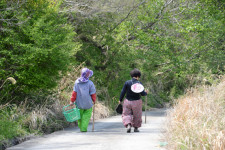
{"x": 36, "y": 43}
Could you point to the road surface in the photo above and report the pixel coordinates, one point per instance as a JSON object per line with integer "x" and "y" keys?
{"x": 109, "y": 134}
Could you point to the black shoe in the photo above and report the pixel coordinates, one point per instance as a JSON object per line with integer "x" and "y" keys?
{"x": 136, "y": 130}
{"x": 128, "y": 128}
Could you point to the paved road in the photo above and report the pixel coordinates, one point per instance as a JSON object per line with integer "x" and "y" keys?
{"x": 109, "y": 134}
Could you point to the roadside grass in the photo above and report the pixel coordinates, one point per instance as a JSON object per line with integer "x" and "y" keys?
{"x": 197, "y": 121}
{"x": 10, "y": 123}
{"x": 41, "y": 114}
{"x": 21, "y": 121}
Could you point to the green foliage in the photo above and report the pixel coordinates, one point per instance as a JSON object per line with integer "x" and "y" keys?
{"x": 10, "y": 123}
{"x": 37, "y": 45}
{"x": 176, "y": 45}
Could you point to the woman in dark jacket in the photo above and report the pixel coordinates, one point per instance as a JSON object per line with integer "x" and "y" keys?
{"x": 132, "y": 105}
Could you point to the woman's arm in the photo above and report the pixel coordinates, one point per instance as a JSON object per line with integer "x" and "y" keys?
{"x": 123, "y": 92}
{"x": 73, "y": 97}
{"x": 144, "y": 93}
{"x": 93, "y": 97}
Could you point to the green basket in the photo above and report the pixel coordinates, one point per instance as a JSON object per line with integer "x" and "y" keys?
{"x": 71, "y": 115}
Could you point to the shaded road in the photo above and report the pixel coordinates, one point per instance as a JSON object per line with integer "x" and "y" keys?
{"x": 109, "y": 135}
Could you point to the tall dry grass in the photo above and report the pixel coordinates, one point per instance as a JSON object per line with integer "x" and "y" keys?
{"x": 45, "y": 116}
{"x": 51, "y": 110}
{"x": 197, "y": 121}
{"x": 65, "y": 89}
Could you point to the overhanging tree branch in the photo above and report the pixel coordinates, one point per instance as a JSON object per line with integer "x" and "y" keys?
{"x": 157, "y": 18}
{"x": 127, "y": 15}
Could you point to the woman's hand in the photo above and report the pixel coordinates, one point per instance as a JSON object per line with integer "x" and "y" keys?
{"x": 147, "y": 91}
{"x": 71, "y": 103}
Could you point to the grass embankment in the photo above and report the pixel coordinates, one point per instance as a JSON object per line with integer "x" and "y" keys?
{"x": 40, "y": 114}
{"x": 197, "y": 121}
{"x": 20, "y": 122}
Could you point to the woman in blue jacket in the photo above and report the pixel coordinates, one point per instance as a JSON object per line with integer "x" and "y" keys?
{"x": 84, "y": 93}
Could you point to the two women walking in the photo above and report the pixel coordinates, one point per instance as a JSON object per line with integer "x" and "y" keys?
{"x": 84, "y": 96}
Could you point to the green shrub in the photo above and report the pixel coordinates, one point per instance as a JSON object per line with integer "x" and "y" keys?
{"x": 10, "y": 123}
{"x": 35, "y": 46}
